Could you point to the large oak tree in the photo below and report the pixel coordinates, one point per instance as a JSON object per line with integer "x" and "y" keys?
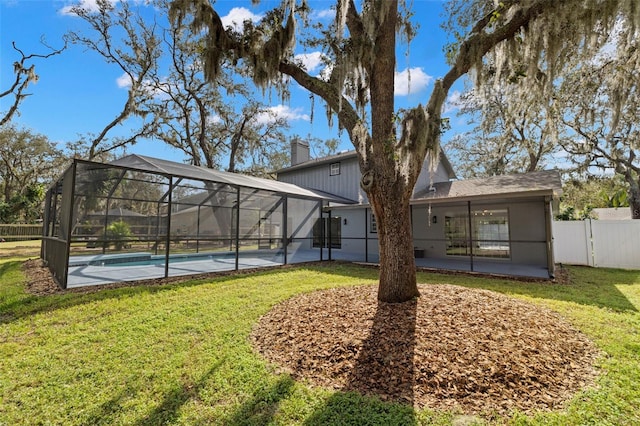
{"x": 361, "y": 47}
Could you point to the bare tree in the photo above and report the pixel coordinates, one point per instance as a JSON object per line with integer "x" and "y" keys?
{"x": 194, "y": 117}
{"x": 25, "y": 73}
{"x": 135, "y": 54}
{"x": 360, "y": 90}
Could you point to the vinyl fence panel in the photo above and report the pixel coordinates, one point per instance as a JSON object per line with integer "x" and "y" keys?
{"x": 616, "y": 243}
{"x": 599, "y": 243}
{"x": 572, "y": 242}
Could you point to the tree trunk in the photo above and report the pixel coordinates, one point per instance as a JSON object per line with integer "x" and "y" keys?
{"x": 634, "y": 189}
{"x": 634, "y": 201}
{"x": 388, "y": 186}
{"x": 395, "y": 241}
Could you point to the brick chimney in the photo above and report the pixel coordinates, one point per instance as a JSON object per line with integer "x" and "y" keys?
{"x": 299, "y": 151}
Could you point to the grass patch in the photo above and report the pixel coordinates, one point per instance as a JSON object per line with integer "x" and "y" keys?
{"x": 30, "y": 248}
{"x": 179, "y": 353}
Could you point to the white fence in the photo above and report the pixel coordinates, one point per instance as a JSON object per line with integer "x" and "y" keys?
{"x": 600, "y": 243}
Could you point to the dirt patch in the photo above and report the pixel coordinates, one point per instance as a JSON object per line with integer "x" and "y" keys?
{"x": 469, "y": 350}
{"x": 39, "y": 278}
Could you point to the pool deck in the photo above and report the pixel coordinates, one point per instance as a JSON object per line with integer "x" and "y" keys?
{"x": 89, "y": 270}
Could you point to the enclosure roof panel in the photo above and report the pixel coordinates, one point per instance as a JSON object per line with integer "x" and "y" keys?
{"x": 545, "y": 182}
{"x": 165, "y": 167}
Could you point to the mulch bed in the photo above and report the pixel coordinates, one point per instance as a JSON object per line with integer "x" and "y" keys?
{"x": 474, "y": 351}
{"x": 453, "y": 348}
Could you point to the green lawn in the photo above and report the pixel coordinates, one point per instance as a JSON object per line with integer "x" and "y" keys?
{"x": 179, "y": 353}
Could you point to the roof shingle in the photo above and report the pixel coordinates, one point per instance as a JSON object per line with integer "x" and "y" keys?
{"x": 521, "y": 184}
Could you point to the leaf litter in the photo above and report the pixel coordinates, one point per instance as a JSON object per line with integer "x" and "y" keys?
{"x": 453, "y": 348}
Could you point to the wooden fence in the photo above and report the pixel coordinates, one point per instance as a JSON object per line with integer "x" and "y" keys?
{"x": 18, "y": 232}
{"x": 599, "y": 243}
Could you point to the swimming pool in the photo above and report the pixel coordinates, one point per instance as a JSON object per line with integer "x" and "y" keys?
{"x": 148, "y": 259}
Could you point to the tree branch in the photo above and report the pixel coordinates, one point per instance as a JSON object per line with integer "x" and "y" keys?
{"x": 23, "y": 77}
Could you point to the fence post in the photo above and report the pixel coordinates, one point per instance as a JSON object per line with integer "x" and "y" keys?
{"x": 588, "y": 231}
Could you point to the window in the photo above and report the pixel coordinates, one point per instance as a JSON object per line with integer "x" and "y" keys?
{"x": 488, "y": 237}
{"x": 373, "y": 227}
{"x": 335, "y": 169}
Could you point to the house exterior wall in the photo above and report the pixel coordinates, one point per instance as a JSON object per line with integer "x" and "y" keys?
{"x": 347, "y": 183}
{"x": 527, "y": 223}
{"x": 426, "y": 178}
{"x": 301, "y": 216}
{"x": 522, "y": 242}
{"x": 358, "y": 240}
{"x": 429, "y": 236}
{"x": 317, "y": 176}
{"x": 527, "y": 230}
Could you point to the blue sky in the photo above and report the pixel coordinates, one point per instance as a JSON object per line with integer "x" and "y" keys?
{"x": 79, "y": 93}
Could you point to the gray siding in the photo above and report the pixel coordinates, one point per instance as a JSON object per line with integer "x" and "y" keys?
{"x": 301, "y": 216}
{"x": 346, "y": 184}
{"x": 528, "y": 231}
{"x": 426, "y": 179}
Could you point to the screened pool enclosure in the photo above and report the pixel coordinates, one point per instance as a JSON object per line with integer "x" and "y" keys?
{"x": 141, "y": 218}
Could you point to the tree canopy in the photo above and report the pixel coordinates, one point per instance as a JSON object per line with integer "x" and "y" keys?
{"x": 27, "y": 162}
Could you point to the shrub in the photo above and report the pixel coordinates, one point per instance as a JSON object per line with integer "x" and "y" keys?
{"x": 118, "y": 234}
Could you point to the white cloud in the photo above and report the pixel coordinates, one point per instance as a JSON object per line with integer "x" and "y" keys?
{"x": 311, "y": 61}
{"x": 90, "y": 5}
{"x": 322, "y": 14}
{"x": 148, "y": 87}
{"x": 123, "y": 81}
{"x": 236, "y": 17}
{"x": 281, "y": 111}
{"x": 404, "y": 86}
{"x": 214, "y": 119}
{"x": 453, "y": 102}
{"x": 325, "y": 74}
